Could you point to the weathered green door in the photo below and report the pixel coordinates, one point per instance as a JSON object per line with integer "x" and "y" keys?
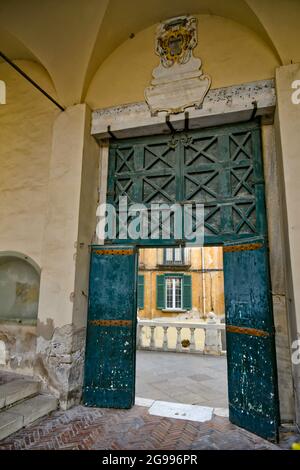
{"x": 110, "y": 349}
{"x": 221, "y": 168}
{"x": 252, "y": 377}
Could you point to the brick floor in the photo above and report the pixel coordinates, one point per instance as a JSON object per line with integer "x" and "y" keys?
{"x": 94, "y": 428}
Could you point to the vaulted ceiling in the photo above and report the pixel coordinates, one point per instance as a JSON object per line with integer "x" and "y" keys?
{"x": 71, "y": 38}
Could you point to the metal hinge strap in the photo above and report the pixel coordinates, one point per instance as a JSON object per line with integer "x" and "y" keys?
{"x": 119, "y": 252}
{"x": 110, "y": 322}
{"x": 246, "y": 247}
{"x": 247, "y": 331}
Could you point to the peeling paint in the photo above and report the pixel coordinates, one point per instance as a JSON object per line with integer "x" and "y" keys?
{"x": 59, "y": 362}
{"x": 19, "y": 345}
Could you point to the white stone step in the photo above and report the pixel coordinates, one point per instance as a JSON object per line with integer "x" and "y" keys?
{"x": 17, "y": 390}
{"x": 25, "y": 413}
{"x": 9, "y": 423}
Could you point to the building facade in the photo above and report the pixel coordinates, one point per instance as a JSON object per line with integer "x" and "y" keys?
{"x": 184, "y": 282}
{"x": 109, "y": 80}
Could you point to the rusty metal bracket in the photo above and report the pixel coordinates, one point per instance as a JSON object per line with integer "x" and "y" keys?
{"x": 247, "y": 331}
{"x": 246, "y": 247}
{"x": 111, "y": 134}
{"x": 186, "y": 121}
{"x": 110, "y": 322}
{"x": 170, "y": 125}
{"x": 186, "y": 124}
{"x": 117, "y": 252}
{"x": 254, "y": 111}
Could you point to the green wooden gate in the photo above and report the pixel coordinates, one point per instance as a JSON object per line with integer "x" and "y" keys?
{"x": 110, "y": 349}
{"x": 222, "y": 168}
{"x": 219, "y": 167}
{"x": 251, "y": 357}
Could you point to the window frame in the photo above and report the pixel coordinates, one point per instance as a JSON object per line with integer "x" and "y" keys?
{"x": 173, "y": 261}
{"x": 173, "y": 307}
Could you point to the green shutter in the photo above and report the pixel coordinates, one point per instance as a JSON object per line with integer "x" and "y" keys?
{"x": 141, "y": 291}
{"x": 160, "y": 291}
{"x": 187, "y": 292}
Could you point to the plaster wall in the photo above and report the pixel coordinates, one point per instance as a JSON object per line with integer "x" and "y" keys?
{"x": 288, "y": 144}
{"x": 69, "y": 229}
{"x": 230, "y": 52}
{"x": 26, "y": 122}
{"x": 277, "y": 258}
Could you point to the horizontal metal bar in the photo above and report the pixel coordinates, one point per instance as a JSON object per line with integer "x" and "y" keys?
{"x": 110, "y": 322}
{"x": 30, "y": 80}
{"x": 247, "y": 331}
{"x": 245, "y": 247}
{"x": 116, "y": 252}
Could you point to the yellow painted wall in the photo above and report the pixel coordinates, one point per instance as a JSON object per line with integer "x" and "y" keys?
{"x": 231, "y": 53}
{"x": 26, "y": 123}
{"x": 149, "y": 261}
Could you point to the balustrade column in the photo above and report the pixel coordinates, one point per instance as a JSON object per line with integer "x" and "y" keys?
{"x": 152, "y": 339}
{"x": 139, "y": 336}
{"x": 178, "y": 342}
{"x": 192, "y": 341}
{"x": 165, "y": 339}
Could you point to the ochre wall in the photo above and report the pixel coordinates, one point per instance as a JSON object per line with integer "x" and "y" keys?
{"x": 204, "y": 300}
{"x": 26, "y": 122}
{"x": 230, "y": 53}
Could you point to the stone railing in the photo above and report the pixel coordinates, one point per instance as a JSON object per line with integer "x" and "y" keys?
{"x": 181, "y": 336}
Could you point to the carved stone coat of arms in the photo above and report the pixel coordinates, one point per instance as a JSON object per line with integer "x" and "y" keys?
{"x": 178, "y": 82}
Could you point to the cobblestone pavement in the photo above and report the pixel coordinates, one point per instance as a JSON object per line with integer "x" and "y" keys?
{"x": 94, "y": 428}
{"x": 182, "y": 378}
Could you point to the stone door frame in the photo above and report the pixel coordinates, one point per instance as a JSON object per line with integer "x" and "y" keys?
{"x": 233, "y": 104}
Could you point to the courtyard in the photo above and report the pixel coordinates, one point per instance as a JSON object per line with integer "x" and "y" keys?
{"x": 183, "y": 378}
{"x": 149, "y": 202}
{"x": 163, "y": 381}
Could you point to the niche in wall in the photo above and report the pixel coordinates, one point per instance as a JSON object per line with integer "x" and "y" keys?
{"x": 19, "y": 289}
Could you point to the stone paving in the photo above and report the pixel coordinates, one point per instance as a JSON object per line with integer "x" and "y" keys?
{"x": 170, "y": 377}
{"x": 184, "y": 378}
{"x": 108, "y": 429}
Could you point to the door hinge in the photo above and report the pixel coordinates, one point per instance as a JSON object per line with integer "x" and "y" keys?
{"x": 246, "y": 247}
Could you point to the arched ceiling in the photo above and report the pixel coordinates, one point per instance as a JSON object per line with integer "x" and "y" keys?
{"x": 13, "y": 47}
{"x": 71, "y": 38}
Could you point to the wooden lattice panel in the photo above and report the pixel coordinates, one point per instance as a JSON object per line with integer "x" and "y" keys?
{"x": 219, "y": 167}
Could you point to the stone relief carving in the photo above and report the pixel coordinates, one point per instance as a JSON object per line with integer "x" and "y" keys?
{"x": 178, "y": 82}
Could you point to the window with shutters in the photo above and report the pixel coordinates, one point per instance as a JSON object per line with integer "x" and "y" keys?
{"x": 141, "y": 291}
{"x": 174, "y": 293}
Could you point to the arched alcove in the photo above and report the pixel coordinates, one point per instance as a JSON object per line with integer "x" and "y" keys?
{"x": 19, "y": 288}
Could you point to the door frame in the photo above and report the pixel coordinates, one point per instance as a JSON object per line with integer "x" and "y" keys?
{"x": 276, "y": 255}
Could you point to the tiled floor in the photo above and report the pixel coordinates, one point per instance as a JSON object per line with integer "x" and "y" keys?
{"x": 92, "y": 428}
{"x": 185, "y": 378}
{"x": 161, "y": 376}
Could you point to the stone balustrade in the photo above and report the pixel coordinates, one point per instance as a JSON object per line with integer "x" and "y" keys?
{"x": 181, "y": 336}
